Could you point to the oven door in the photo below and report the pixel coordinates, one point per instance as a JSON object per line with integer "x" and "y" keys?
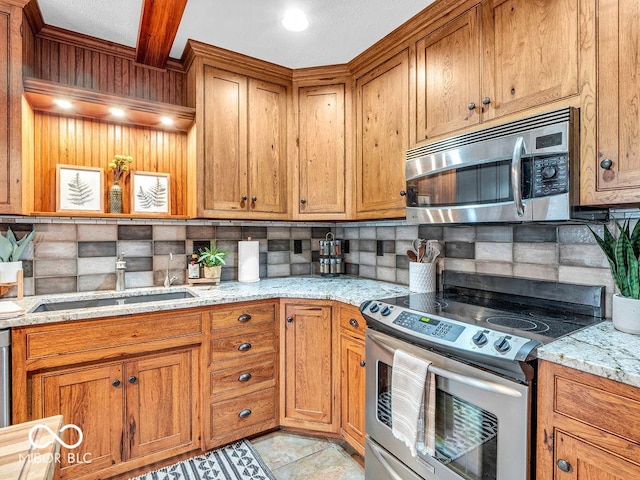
{"x": 482, "y": 420}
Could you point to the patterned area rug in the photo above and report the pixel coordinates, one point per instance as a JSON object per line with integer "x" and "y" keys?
{"x": 236, "y": 461}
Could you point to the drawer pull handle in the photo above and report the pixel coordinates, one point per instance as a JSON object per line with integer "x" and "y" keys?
{"x": 362, "y": 363}
{"x": 245, "y": 317}
{"x": 243, "y": 347}
{"x": 244, "y": 413}
{"x": 116, "y": 383}
{"x": 354, "y": 323}
{"x": 133, "y": 379}
{"x": 564, "y": 465}
{"x": 244, "y": 377}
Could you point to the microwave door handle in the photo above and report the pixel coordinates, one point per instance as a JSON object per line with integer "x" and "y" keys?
{"x": 460, "y": 378}
{"x": 516, "y": 172}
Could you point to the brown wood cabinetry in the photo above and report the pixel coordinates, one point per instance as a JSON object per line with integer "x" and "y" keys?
{"x": 311, "y": 384}
{"x": 586, "y": 426}
{"x": 352, "y": 376}
{"x": 382, "y": 137}
{"x": 242, "y": 379}
{"x": 611, "y": 171}
{"x": 132, "y": 388}
{"x": 498, "y": 58}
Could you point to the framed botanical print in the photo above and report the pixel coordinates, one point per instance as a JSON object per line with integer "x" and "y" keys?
{"x": 150, "y": 193}
{"x": 79, "y": 189}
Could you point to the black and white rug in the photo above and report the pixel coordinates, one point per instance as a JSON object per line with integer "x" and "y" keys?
{"x": 236, "y": 461}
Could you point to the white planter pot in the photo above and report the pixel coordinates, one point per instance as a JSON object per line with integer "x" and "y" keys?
{"x": 626, "y": 314}
{"x": 213, "y": 273}
{"x": 9, "y": 271}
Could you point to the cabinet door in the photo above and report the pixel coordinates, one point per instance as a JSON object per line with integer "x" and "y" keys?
{"x": 586, "y": 462}
{"x": 530, "y": 53}
{"x": 382, "y": 138}
{"x": 308, "y": 357}
{"x": 448, "y": 76}
{"x": 267, "y": 147}
{"x": 160, "y": 403}
{"x": 352, "y": 389}
{"x": 91, "y": 398}
{"x": 223, "y": 179}
{"x": 322, "y": 149}
{"x": 618, "y": 118}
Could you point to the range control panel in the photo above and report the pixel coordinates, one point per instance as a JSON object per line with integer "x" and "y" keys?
{"x": 433, "y": 330}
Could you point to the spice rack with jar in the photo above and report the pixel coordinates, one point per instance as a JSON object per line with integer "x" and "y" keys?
{"x": 331, "y": 262}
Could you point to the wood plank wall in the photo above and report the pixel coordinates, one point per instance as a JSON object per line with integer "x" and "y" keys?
{"x": 97, "y": 69}
{"x": 86, "y": 142}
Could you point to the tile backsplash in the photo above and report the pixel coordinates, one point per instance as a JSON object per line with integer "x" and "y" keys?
{"x": 80, "y": 256}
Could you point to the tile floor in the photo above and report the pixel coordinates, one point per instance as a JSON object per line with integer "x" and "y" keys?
{"x": 292, "y": 456}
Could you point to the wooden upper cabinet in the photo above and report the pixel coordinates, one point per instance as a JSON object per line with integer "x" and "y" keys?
{"x": 448, "y": 78}
{"x": 530, "y": 54}
{"x": 382, "y": 138}
{"x": 322, "y": 152}
{"x": 616, "y": 166}
{"x": 267, "y": 147}
{"x": 244, "y": 152}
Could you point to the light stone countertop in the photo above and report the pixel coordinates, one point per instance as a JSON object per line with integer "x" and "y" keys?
{"x": 600, "y": 350}
{"x": 350, "y": 290}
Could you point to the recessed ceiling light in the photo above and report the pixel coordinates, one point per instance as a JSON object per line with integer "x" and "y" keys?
{"x": 62, "y": 103}
{"x": 116, "y": 112}
{"x": 166, "y": 121}
{"x": 295, "y": 20}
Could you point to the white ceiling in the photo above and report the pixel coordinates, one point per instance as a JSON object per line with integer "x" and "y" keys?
{"x": 339, "y": 29}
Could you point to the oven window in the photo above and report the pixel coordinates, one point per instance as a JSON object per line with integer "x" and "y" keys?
{"x": 466, "y": 435}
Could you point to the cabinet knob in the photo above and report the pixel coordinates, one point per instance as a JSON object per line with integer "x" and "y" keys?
{"x": 116, "y": 383}
{"x": 471, "y": 106}
{"x": 303, "y": 201}
{"x": 289, "y": 319}
{"x": 133, "y": 379}
{"x": 244, "y": 413}
{"x": 606, "y": 163}
{"x": 243, "y": 347}
{"x": 254, "y": 199}
{"x": 245, "y": 317}
{"x": 362, "y": 363}
{"x": 354, "y": 323}
{"x": 244, "y": 198}
{"x": 564, "y": 465}
{"x": 402, "y": 193}
{"x": 486, "y": 100}
{"x": 244, "y": 377}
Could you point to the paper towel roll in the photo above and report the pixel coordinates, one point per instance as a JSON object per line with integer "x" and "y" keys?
{"x": 248, "y": 261}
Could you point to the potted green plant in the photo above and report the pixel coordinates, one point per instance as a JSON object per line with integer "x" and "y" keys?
{"x": 11, "y": 250}
{"x": 623, "y": 253}
{"x": 212, "y": 259}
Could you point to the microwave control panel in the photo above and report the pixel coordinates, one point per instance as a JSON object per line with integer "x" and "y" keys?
{"x": 550, "y": 175}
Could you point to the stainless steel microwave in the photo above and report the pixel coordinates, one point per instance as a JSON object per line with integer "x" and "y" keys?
{"x": 523, "y": 171}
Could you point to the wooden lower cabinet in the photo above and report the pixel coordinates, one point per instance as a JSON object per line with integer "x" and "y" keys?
{"x": 587, "y": 426}
{"x": 352, "y": 391}
{"x": 310, "y": 355}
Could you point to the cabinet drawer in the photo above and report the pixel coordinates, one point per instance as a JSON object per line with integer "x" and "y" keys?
{"x": 247, "y": 316}
{"x": 234, "y": 417}
{"x": 237, "y": 346}
{"x": 259, "y": 374}
{"x": 351, "y": 321}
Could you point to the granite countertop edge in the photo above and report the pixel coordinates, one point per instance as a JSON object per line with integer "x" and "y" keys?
{"x": 600, "y": 350}
{"x": 349, "y": 290}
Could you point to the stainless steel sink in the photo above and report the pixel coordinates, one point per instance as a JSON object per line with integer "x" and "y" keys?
{"x": 111, "y": 301}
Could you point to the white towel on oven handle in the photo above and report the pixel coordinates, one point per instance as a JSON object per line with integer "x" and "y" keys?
{"x": 413, "y": 403}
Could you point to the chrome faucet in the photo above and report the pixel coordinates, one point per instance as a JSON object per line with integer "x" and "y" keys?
{"x": 167, "y": 279}
{"x": 121, "y": 265}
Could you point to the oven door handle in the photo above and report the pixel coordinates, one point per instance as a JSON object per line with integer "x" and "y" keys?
{"x": 458, "y": 377}
{"x": 379, "y": 454}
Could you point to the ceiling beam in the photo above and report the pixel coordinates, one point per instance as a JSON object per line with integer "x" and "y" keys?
{"x": 159, "y": 24}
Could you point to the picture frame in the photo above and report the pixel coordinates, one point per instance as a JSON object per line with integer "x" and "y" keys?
{"x": 150, "y": 193}
{"x": 79, "y": 189}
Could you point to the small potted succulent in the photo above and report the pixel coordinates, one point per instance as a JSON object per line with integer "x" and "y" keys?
{"x": 212, "y": 259}
{"x": 11, "y": 250}
{"x": 623, "y": 255}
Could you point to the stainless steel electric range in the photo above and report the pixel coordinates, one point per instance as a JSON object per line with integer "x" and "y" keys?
{"x": 480, "y": 334}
